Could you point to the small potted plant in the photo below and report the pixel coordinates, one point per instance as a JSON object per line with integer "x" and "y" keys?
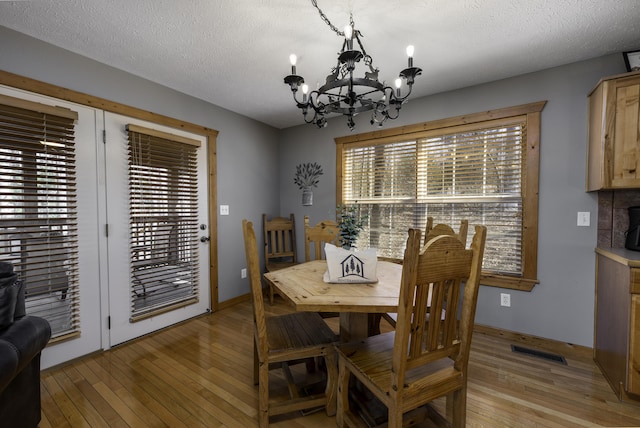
{"x": 307, "y": 176}
{"x": 350, "y": 224}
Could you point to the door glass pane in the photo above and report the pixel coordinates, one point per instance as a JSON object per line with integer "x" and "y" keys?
{"x": 38, "y": 212}
{"x": 163, "y": 206}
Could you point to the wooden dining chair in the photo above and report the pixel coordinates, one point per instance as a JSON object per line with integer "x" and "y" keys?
{"x": 280, "y": 340}
{"x": 326, "y": 231}
{"x": 420, "y": 361}
{"x": 431, "y": 231}
{"x": 315, "y": 237}
{"x": 279, "y": 245}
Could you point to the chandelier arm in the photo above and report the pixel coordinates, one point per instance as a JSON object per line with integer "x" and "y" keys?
{"x": 389, "y": 116}
{"x": 375, "y": 118}
{"x": 394, "y": 104}
{"x": 305, "y": 114}
{"x": 298, "y": 103}
{"x": 403, "y": 98}
{"x": 318, "y": 106}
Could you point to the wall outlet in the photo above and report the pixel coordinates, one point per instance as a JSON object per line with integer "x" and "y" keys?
{"x": 224, "y": 209}
{"x": 243, "y": 273}
{"x": 505, "y": 299}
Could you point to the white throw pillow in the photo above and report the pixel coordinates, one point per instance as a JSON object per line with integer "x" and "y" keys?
{"x": 344, "y": 266}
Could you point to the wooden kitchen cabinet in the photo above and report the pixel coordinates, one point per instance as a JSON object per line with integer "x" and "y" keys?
{"x": 616, "y": 347}
{"x": 613, "y": 157}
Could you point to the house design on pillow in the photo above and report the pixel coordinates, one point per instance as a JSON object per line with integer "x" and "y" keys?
{"x": 352, "y": 266}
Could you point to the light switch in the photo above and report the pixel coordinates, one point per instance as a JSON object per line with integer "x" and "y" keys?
{"x": 584, "y": 218}
{"x": 224, "y": 209}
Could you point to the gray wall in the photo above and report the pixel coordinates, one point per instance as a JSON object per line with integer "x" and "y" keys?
{"x": 561, "y": 306}
{"x": 247, "y": 151}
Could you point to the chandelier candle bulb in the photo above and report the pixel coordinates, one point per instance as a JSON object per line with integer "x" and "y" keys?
{"x": 398, "y": 84}
{"x": 348, "y": 35}
{"x": 294, "y": 59}
{"x": 305, "y": 91}
{"x": 410, "y": 50}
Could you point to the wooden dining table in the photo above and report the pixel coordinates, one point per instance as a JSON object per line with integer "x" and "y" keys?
{"x": 303, "y": 287}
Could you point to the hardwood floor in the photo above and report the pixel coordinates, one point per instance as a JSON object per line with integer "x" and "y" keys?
{"x": 199, "y": 374}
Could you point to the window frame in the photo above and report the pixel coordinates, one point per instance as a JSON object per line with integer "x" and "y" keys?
{"x": 530, "y": 176}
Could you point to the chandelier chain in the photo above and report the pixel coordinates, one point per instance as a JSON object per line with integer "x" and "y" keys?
{"x": 368, "y": 59}
{"x": 326, "y": 20}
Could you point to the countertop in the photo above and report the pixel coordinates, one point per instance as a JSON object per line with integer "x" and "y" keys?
{"x": 621, "y": 255}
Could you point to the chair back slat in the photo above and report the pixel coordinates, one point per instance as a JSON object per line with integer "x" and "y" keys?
{"x": 316, "y": 236}
{"x": 430, "y": 325}
{"x": 451, "y": 323}
{"x": 279, "y": 238}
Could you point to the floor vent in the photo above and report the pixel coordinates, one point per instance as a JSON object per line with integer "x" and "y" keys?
{"x": 540, "y": 354}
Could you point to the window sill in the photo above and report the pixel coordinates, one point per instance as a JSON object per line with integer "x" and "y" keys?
{"x": 510, "y": 282}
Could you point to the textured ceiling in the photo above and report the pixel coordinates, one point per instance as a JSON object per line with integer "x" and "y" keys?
{"x": 235, "y": 53}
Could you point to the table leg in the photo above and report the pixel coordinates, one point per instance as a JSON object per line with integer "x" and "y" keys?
{"x": 353, "y": 326}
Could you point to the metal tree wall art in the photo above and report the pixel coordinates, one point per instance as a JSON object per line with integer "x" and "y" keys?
{"x": 307, "y": 176}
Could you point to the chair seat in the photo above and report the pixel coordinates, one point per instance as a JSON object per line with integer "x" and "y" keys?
{"x": 370, "y": 360}
{"x": 273, "y": 266}
{"x": 299, "y": 331}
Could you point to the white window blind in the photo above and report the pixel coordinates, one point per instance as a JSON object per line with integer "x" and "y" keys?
{"x": 38, "y": 218}
{"x": 477, "y": 175}
{"x": 465, "y": 172}
{"x": 163, "y": 201}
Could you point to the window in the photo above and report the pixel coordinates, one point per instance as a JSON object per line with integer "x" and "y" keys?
{"x": 38, "y": 219}
{"x": 163, "y": 214}
{"x": 481, "y": 167}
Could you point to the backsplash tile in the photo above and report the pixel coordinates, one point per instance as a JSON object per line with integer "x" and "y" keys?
{"x": 613, "y": 216}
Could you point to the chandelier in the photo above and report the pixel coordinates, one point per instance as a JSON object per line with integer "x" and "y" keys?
{"x": 348, "y": 95}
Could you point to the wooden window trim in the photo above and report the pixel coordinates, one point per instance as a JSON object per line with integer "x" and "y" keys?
{"x": 165, "y": 135}
{"x": 532, "y": 112}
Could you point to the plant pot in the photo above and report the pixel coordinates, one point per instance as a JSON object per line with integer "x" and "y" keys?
{"x": 307, "y": 197}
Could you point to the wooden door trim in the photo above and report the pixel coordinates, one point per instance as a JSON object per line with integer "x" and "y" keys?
{"x": 65, "y": 94}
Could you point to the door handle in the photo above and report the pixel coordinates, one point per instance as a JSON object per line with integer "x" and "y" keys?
{"x": 205, "y": 239}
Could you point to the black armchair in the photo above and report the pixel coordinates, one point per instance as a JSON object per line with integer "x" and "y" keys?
{"x": 22, "y": 338}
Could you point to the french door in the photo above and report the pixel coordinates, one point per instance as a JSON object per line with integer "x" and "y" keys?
{"x": 105, "y": 233}
{"x": 50, "y": 216}
{"x": 158, "y": 230}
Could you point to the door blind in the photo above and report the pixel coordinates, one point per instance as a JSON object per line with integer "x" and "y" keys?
{"x": 163, "y": 201}
{"x": 38, "y": 213}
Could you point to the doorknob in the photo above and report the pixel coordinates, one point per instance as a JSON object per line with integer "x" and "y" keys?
{"x": 205, "y": 239}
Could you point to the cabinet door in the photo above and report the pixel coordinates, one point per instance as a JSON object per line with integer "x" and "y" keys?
{"x": 622, "y": 134}
{"x": 633, "y": 379}
{"x": 612, "y": 320}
